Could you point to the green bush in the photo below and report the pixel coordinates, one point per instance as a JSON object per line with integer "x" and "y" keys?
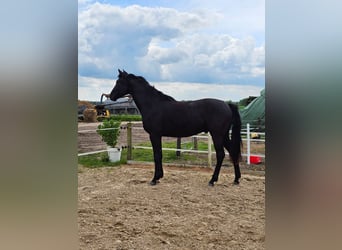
{"x": 111, "y": 135}
{"x": 127, "y": 118}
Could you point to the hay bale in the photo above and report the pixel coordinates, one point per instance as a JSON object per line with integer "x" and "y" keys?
{"x": 90, "y": 115}
{"x": 255, "y": 136}
{"x": 85, "y": 104}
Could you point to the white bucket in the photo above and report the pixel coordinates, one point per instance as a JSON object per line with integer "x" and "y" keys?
{"x": 114, "y": 154}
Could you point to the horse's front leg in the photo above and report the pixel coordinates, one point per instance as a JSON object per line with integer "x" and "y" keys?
{"x": 157, "y": 154}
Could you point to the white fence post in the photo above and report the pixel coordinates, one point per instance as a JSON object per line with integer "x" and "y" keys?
{"x": 209, "y": 150}
{"x": 248, "y": 145}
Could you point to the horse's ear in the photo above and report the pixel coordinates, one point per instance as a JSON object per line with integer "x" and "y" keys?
{"x": 122, "y": 73}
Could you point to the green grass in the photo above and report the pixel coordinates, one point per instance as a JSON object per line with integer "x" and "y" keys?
{"x": 127, "y": 118}
{"x": 146, "y": 155}
{"x": 100, "y": 160}
{"x": 185, "y": 145}
{"x": 122, "y": 118}
{"x": 170, "y": 156}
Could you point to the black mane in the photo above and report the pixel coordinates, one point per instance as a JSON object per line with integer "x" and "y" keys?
{"x": 155, "y": 91}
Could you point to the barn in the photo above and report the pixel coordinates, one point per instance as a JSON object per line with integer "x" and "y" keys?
{"x": 121, "y": 106}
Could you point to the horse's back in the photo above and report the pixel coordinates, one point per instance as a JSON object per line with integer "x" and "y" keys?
{"x": 188, "y": 118}
{"x": 212, "y": 109}
{"x": 181, "y": 119}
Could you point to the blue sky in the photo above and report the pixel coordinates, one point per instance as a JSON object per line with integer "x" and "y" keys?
{"x": 188, "y": 49}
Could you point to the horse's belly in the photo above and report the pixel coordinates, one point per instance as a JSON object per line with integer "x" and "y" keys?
{"x": 182, "y": 129}
{"x": 181, "y": 133}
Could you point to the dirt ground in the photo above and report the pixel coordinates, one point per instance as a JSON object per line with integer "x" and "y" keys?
{"x": 118, "y": 209}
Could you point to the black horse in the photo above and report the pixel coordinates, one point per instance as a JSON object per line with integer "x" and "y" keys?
{"x": 164, "y": 116}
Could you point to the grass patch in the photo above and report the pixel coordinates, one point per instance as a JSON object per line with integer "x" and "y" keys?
{"x": 101, "y": 160}
{"x": 185, "y": 145}
{"x": 126, "y": 118}
{"x": 146, "y": 155}
{"x": 121, "y": 118}
{"x": 170, "y": 156}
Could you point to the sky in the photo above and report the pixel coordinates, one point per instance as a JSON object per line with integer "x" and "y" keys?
{"x": 187, "y": 49}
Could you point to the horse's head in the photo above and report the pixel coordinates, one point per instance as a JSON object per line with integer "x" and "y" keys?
{"x": 121, "y": 87}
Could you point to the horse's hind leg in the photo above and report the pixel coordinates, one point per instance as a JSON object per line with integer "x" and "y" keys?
{"x": 157, "y": 154}
{"x": 218, "y": 144}
{"x": 237, "y": 173}
{"x": 235, "y": 160}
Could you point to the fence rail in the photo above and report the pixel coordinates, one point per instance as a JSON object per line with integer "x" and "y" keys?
{"x": 130, "y": 145}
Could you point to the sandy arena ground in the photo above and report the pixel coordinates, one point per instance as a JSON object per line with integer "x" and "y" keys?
{"x": 118, "y": 209}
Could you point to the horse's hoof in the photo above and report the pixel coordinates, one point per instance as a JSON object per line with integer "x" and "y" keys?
{"x": 153, "y": 182}
{"x": 236, "y": 182}
{"x": 211, "y": 184}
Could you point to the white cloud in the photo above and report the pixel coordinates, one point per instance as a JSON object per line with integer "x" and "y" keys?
{"x": 114, "y": 36}
{"x": 134, "y": 38}
{"x": 238, "y": 18}
{"x": 175, "y": 50}
{"x": 193, "y": 91}
{"x": 219, "y": 58}
{"x": 92, "y": 88}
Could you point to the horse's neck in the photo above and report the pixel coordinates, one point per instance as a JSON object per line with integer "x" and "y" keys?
{"x": 144, "y": 99}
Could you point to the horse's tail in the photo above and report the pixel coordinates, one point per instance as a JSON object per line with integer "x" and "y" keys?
{"x": 236, "y": 142}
